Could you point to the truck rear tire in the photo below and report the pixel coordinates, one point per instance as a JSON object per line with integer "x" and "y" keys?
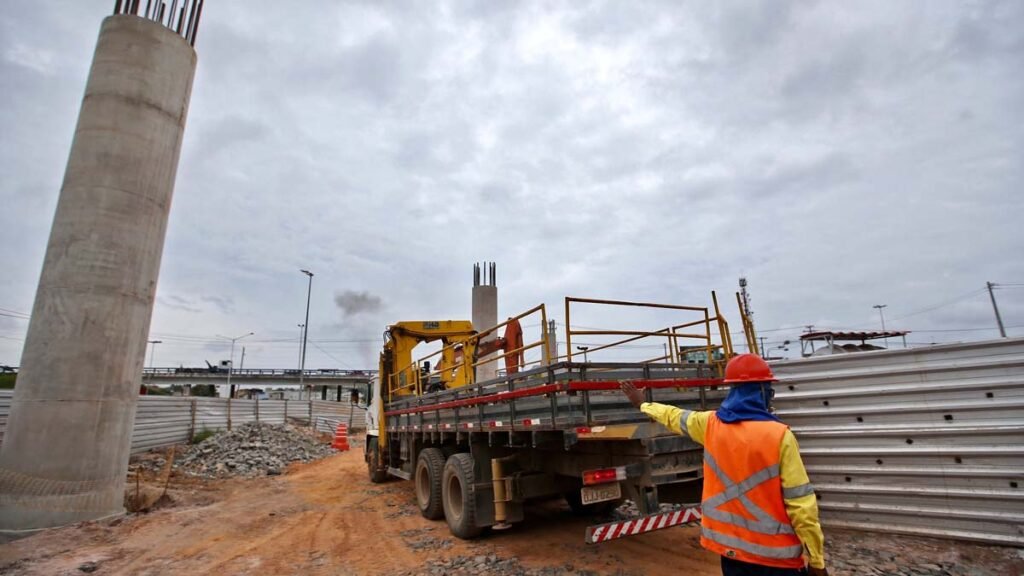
{"x": 377, "y": 476}
{"x": 459, "y": 498}
{"x": 429, "y": 469}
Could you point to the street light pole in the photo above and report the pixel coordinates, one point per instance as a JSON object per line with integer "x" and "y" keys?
{"x": 152, "y": 354}
{"x": 302, "y": 328}
{"x": 231, "y": 361}
{"x": 882, "y": 316}
{"x": 305, "y": 335}
{"x": 584, "y": 350}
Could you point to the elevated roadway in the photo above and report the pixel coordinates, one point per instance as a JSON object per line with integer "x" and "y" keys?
{"x": 263, "y": 377}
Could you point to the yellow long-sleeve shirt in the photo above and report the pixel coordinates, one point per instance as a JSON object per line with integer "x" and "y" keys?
{"x": 801, "y": 506}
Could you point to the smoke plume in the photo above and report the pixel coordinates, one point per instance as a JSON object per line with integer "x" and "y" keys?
{"x": 353, "y": 303}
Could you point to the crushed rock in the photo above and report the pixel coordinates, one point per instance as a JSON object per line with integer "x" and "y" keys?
{"x": 491, "y": 564}
{"x": 251, "y": 449}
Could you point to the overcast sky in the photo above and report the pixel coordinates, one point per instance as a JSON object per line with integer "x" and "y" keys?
{"x": 837, "y": 154}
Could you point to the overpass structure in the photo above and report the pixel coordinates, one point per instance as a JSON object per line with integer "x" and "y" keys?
{"x": 262, "y": 377}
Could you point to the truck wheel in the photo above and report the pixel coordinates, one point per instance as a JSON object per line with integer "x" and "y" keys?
{"x": 377, "y": 475}
{"x": 458, "y": 497}
{"x": 429, "y": 469}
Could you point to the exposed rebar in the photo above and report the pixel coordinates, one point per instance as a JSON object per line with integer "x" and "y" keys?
{"x": 183, "y": 21}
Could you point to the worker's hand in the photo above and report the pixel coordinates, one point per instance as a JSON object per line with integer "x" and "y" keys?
{"x": 636, "y": 397}
{"x": 812, "y": 571}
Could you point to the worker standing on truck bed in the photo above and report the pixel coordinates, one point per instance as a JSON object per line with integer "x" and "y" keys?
{"x": 759, "y": 509}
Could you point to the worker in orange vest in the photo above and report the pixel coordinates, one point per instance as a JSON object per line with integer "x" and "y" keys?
{"x": 759, "y": 509}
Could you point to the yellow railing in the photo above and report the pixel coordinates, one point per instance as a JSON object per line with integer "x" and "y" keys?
{"x": 683, "y": 339}
{"x": 674, "y": 335}
{"x": 467, "y": 347}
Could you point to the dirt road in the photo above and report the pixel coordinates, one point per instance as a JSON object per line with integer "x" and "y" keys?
{"x": 326, "y": 518}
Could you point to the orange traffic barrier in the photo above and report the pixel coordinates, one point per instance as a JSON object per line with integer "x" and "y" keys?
{"x": 341, "y": 438}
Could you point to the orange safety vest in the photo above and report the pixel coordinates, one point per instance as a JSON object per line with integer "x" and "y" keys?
{"x": 744, "y": 515}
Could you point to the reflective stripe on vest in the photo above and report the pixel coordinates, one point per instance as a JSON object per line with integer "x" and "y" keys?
{"x": 765, "y": 523}
{"x": 741, "y": 544}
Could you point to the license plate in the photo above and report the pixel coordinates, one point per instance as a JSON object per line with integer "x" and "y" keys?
{"x": 600, "y": 493}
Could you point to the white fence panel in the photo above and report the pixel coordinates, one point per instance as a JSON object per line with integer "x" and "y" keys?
{"x": 926, "y": 441}
{"x": 160, "y": 421}
{"x": 272, "y": 411}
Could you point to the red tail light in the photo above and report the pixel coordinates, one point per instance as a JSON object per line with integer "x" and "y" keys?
{"x": 604, "y": 475}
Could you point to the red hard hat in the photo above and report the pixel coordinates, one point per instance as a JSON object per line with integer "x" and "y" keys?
{"x": 748, "y": 368}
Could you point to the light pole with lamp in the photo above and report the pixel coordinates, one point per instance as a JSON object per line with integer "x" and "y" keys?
{"x": 882, "y": 317}
{"x": 584, "y": 350}
{"x": 231, "y": 362}
{"x": 152, "y": 354}
{"x": 302, "y": 328}
{"x": 305, "y": 335}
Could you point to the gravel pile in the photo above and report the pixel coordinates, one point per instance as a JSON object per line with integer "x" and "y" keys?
{"x": 252, "y": 449}
{"x": 491, "y": 564}
{"x": 905, "y": 556}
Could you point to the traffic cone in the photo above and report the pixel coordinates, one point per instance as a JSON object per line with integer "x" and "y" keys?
{"x": 341, "y": 438}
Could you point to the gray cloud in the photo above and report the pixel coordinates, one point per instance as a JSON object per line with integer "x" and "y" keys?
{"x": 839, "y": 155}
{"x": 354, "y": 303}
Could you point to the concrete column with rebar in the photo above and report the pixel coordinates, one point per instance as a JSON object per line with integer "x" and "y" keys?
{"x": 485, "y": 311}
{"x": 65, "y": 451}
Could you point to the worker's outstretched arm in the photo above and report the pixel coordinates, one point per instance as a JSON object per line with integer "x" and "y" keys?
{"x": 801, "y": 504}
{"x": 685, "y": 422}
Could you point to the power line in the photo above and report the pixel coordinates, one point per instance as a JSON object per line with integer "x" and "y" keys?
{"x": 328, "y": 354}
{"x": 941, "y": 304}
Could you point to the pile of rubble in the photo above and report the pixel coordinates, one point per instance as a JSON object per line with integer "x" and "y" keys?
{"x": 251, "y": 449}
{"x": 491, "y": 564}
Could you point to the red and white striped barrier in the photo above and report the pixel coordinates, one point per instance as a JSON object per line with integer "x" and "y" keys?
{"x": 613, "y": 530}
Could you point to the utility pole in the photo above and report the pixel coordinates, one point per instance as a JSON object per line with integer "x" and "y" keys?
{"x": 999, "y": 319}
{"x": 882, "y": 316}
{"x": 748, "y": 323}
{"x": 305, "y": 335}
{"x": 762, "y": 348}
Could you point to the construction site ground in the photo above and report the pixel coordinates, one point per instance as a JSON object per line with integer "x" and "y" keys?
{"x": 325, "y": 517}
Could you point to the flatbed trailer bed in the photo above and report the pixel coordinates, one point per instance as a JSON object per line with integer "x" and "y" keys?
{"x": 552, "y": 425}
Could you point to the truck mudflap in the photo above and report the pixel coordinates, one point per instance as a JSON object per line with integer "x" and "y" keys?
{"x": 614, "y": 530}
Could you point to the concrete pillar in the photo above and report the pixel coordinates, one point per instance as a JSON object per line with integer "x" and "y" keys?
{"x": 485, "y": 312}
{"x": 65, "y": 451}
{"x": 551, "y": 354}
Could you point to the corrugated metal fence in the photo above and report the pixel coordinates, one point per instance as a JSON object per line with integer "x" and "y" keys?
{"x": 166, "y": 420}
{"x": 163, "y": 420}
{"x": 926, "y": 441}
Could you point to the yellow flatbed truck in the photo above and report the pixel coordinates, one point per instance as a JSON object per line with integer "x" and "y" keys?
{"x": 479, "y": 452}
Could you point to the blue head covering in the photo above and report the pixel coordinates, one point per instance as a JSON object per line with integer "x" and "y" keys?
{"x": 747, "y": 402}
